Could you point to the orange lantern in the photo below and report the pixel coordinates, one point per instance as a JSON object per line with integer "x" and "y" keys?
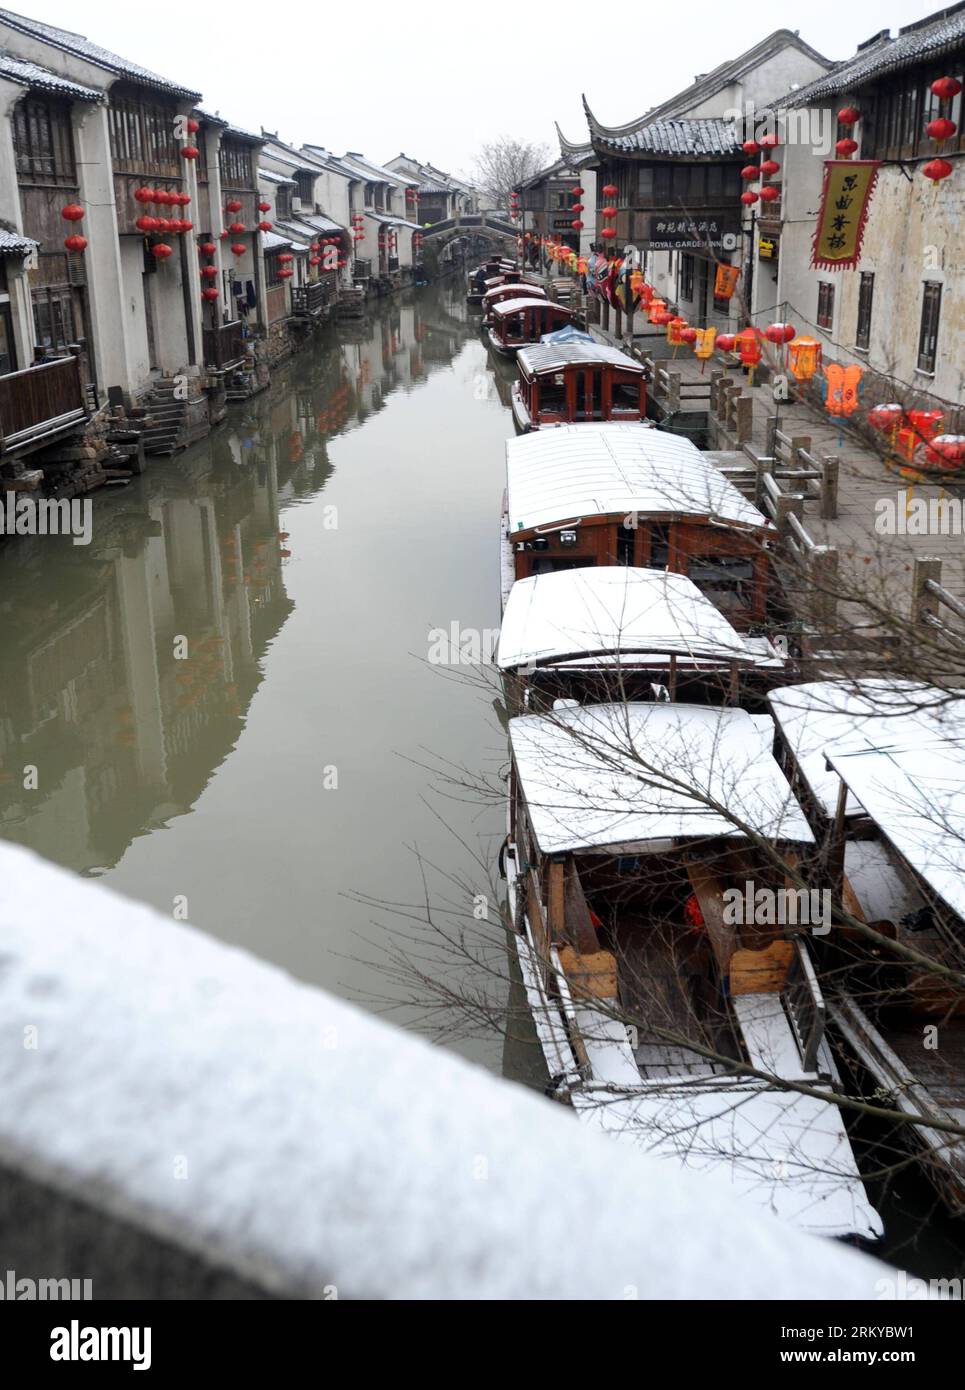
{"x": 674, "y": 329}
{"x": 725, "y": 281}
{"x": 657, "y": 306}
{"x": 803, "y": 358}
{"x": 842, "y": 384}
{"x": 748, "y": 343}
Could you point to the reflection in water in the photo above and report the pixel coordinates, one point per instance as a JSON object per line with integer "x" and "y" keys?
{"x": 226, "y": 695}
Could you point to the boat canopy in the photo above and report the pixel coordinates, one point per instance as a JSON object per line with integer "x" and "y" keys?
{"x": 531, "y": 292}
{"x": 581, "y": 470}
{"x": 569, "y": 333}
{"x": 616, "y": 610}
{"x": 884, "y": 714}
{"x": 620, "y": 777}
{"x": 506, "y": 307}
{"x": 554, "y": 357}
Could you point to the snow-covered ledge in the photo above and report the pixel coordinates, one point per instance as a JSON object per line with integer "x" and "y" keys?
{"x": 178, "y": 1118}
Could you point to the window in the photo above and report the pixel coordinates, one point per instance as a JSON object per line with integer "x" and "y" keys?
{"x": 866, "y": 291}
{"x": 931, "y": 307}
{"x": 43, "y": 142}
{"x": 283, "y": 202}
{"x": 686, "y": 277}
{"x": 142, "y": 136}
{"x": 272, "y": 267}
{"x": 306, "y": 189}
{"x": 8, "y": 358}
{"x": 53, "y": 318}
{"x": 825, "y": 304}
{"x": 234, "y": 161}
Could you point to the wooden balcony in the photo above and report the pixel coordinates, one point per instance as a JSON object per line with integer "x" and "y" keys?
{"x": 310, "y": 301}
{"x": 40, "y": 403}
{"x": 224, "y": 346}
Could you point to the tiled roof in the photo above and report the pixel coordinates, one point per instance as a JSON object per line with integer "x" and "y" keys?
{"x": 13, "y": 244}
{"x": 940, "y": 33}
{"x": 270, "y": 176}
{"x": 33, "y": 75}
{"x": 577, "y": 156}
{"x": 93, "y": 53}
{"x": 706, "y": 136}
{"x": 374, "y": 173}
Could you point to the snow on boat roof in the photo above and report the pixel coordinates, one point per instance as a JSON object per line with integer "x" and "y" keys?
{"x": 886, "y": 713}
{"x": 620, "y": 775}
{"x": 548, "y": 357}
{"x": 534, "y": 291}
{"x": 581, "y": 470}
{"x": 515, "y": 306}
{"x": 557, "y": 617}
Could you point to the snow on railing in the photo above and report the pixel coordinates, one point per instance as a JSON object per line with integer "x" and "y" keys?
{"x": 199, "y": 1095}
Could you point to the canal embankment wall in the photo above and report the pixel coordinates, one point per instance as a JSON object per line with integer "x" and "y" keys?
{"x": 179, "y": 1118}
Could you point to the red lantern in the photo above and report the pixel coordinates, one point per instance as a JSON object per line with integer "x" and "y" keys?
{"x": 162, "y": 197}
{"x": 286, "y": 258}
{"x": 849, "y": 116}
{"x": 886, "y": 417}
{"x": 609, "y": 211}
{"x": 846, "y": 148}
{"x": 941, "y": 128}
{"x": 769, "y": 167}
{"x": 609, "y": 190}
{"x": 207, "y": 248}
{"x": 161, "y": 224}
{"x": 663, "y": 317}
{"x": 223, "y": 236}
{"x": 947, "y": 450}
{"x": 76, "y": 243}
{"x": 688, "y": 335}
{"x": 314, "y": 260}
{"x": 233, "y": 206}
{"x": 210, "y": 294}
{"x": 946, "y": 87}
{"x": 73, "y": 212}
{"x": 237, "y": 249}
{"x": 726, "y": 341}
{"x": 186, "y": 226}
{"x": 183, "y": 199}
{"x": 769, "y": 193}
{"x": 189, "y": 152}
{"x": 749, "y": 198}
{"x": 577, "y": 225}
{"x": 577, "y": 192}
{"x": 770, "y": 142}
{"x": 146, "y": 224}
{"x": 192, "y": 126}
{"x": 144, "y": 195}
{"x": 609, "y": 233}
{"x": 937, "y": 169}
{"x": 779, "y": 333}
{"x": 748, "y": 345}
{"x": 264, "y": 226}
{"x": 210, "y": 272}
{"x": 750, "y": 172}
{"x": 284, "y": 274}
{"x": 236, "y": 228}
{"x": 264, "y": 207}
{"x": 577, "y": 207}
{"x": 161, "y": 251}
{"x": 751, "y": 147}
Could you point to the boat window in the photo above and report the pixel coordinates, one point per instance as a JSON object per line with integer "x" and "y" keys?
{"x": 552, "y": 393}
{"x": 626, "y": 544}
{"x": 626, "y": 395}
{"x": 660, "y": 546}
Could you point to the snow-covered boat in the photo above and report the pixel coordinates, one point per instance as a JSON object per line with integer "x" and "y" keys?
{"x": 500, "y": 293}
{"x": 567, "y": 383}
{"x": 516, "y": 322}
{"x": 616, "y": 494}
{"x": 880, "y": 768}
{"x": 664, "y": 1019}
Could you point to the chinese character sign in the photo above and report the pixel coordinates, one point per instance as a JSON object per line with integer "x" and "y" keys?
{"x": 848, "y": 184}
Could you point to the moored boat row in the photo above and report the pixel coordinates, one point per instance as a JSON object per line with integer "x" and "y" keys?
{"x": 661, "y": 774}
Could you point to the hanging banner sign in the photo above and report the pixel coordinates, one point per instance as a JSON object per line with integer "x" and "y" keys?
{"x": 848, "y": 185}
{"x": 669, "y": 233}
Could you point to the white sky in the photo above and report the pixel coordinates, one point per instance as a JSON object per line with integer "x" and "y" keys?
{"x": 381, "y": 77}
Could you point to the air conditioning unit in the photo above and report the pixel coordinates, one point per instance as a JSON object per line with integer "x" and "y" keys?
{"x": 296, "y": 204}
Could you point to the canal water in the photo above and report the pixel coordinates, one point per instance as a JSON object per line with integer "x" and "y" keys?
{"x": 229, "y": 695}
{"x": 231, "y": 702}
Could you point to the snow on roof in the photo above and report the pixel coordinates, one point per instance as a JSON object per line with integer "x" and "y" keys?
{"x": 33, "y": 75}
{"x": 271, "y": 241}
{"x": 82, "y": 47}
{"x": 819, "y": 714}
{"x": 614, "y": 609}
{"x": 548, "y": 357}
{"x": 573, "y": 471}
{"x": 156, "y": 1035}
{"x": 375, "y": 173}
{"x": 492, "y": 296}
{"x": 13, "y": 244}
{"x": 926, "y": 39}
{"x": 505, "y": 307}
{"x": 271, "y": 177}
{"x": 602, "y": 776}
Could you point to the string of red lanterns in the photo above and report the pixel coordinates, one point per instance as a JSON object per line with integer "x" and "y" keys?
{"x": 942, "y": 127}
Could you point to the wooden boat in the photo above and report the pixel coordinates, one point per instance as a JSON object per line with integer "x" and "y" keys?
{"x": 570, "y": 382}
{"x": 628, "y": 824}
{"x": 516, "y": 322}
{"x": 508, "y": 290}
{"x": 598, "y": 634}
{"x": 616, "y": 494}
{"x": 880, "y": 766}
{"x": 490, "y": 269}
